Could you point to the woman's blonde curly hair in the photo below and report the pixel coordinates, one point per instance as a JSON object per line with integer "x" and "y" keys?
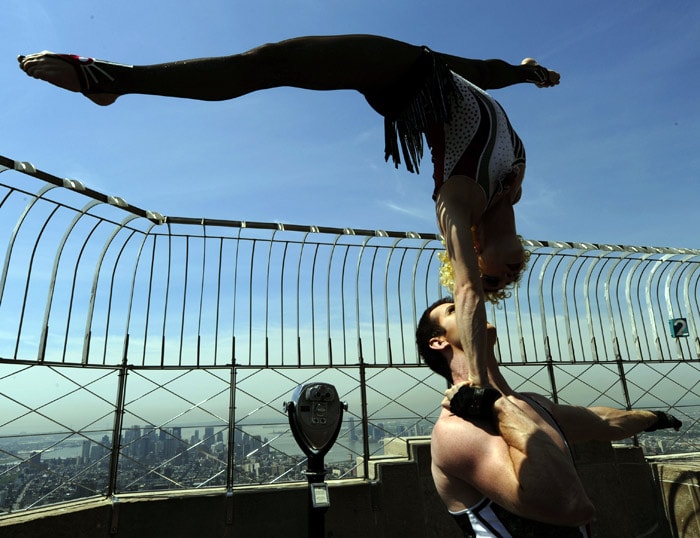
{"x": 447, "y": 276}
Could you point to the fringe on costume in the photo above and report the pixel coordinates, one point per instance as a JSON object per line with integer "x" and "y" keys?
{"x": 433, "y": 92}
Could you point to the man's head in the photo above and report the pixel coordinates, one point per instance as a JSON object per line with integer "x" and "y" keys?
{"x": 428, "y": 329}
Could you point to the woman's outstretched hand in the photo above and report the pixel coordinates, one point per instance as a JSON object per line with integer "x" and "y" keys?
{"x": 545, "y": 78}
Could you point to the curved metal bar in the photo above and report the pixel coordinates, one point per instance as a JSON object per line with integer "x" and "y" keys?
{"x": 10, "y": 246}
{"x": 389, "y": 354}
{"x": 281, "y": 299}
{"x": 605, "y": 299}
{"x": 589, "y": 310}
{"x": 672, "y": 281}
{"x": 609, "y": 289}
{"x": 625, "y": 324}
{"x": 40, "y": 352}
{"x": 132, "y": 289}
{"x": 692, "y": 322}
{"x": 357, "y": 302}
{"x": 149, "y": 299}
{"x": 631, "y": 306}
{"x": 250, "y": 304}
{"x": 73, "y": 287}
{"x": 201, "y": 291}
{"x": 399, "y": 297}
{"x": 573, "y": 297}
{"x": 267, "y": 297}
{"x": 565, "y": 303}
{"x": 543, "y": 310}
{"x": 93, "y": 291}
{"x": 234, "y": 362}
{"x": 375, "y": 251}
{"x": 579, "y": 274}
{"x": 329, "y": 299}
{"x": 554, "y": 298}
{"x": 344, "y": 325}
{"x": 298, "y": 297}
{"x": 423, "y": 287}
{"x": 313, "y": 305}
{"x": 651, "y": 302}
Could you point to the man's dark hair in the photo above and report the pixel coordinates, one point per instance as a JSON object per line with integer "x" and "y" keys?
{"x": 427, "y": 329}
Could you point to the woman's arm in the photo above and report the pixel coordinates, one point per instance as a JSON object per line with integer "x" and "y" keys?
{"x": 460, "y": 204}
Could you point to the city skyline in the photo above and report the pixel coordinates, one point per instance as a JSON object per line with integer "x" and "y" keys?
{"x": 150, "y": 464}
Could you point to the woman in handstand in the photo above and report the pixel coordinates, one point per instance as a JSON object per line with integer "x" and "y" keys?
{"x": 479, "y": 161}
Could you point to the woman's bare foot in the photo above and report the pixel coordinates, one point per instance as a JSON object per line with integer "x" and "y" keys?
{"x": 61, "y": 72}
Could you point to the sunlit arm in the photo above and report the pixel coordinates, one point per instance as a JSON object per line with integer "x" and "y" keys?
{"x": 461, "y": 202}
{"x": 522, "y": 465}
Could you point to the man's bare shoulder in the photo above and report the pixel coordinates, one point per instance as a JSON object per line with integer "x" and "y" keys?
{"x": 470, "y": 461}
{"x": 458, "y": 442}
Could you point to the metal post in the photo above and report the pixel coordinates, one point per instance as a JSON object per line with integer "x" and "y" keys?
{"x": 365, "y": 419}
{"x": 316, "y": 474}
{"x": 231, "y": 430}
{"x": 230, "y": 457}
{"x": 117, "y": 429}
{"x": 550, "y": 371}
{"x": 623, "y": 380}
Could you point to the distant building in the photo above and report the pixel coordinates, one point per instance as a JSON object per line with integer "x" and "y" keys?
{"x": 351, "y": 427}
{"x": 209, "y": 437}
{"x": 86, "y": 450}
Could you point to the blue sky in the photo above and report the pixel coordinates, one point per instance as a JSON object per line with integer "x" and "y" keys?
{"x": 612, "y": 152}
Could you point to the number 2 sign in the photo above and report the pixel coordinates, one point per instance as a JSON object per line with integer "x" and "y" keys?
{"x": 679, "y": 327}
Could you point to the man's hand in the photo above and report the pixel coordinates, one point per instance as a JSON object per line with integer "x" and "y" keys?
{"x": 541, "y": 76}
{"x": 449, "y": 394}
{"x": 469, "y": 402}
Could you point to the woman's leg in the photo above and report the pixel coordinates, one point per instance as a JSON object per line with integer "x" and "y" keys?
{"x": 358, "y": 62}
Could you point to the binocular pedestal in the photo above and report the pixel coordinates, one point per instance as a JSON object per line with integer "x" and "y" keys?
{"x": 315, "y": 416}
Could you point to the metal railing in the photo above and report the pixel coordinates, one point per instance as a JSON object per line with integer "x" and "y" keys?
{"x": 154, "y": 352}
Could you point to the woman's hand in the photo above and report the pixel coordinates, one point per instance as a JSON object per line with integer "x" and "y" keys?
{"x": 543, "y": 77}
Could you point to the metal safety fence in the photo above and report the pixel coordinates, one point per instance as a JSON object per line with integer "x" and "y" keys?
{"x": 141, "y": 352}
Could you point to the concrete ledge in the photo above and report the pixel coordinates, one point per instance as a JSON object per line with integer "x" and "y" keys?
{"x": 399, "y": 502}
{"x": 678, "y": 479}
{"x": 620, "y": 484}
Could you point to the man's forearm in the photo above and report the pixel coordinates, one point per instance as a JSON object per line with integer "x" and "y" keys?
{"x": 582, "y": 424}
{"x": 621, "y": 424}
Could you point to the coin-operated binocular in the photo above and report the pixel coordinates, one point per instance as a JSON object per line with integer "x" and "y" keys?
{"x": 315, "y": 416}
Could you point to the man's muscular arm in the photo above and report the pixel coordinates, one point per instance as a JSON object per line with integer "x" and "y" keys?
{"x": 522, "y": 464}
{"x": 581, "y": 424}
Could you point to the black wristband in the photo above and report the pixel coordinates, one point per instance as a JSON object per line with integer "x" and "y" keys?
{"x": 664, "y": 421}
{"x": 474, "y": 402}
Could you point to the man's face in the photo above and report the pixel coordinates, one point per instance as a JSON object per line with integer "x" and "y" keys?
{"x": 445, "y": 316}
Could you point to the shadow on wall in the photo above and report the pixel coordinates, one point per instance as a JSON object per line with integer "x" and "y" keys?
{"x": 683, "y": 512}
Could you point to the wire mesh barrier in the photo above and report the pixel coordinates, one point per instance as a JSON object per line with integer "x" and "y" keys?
{"x": 142, "y": 352}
